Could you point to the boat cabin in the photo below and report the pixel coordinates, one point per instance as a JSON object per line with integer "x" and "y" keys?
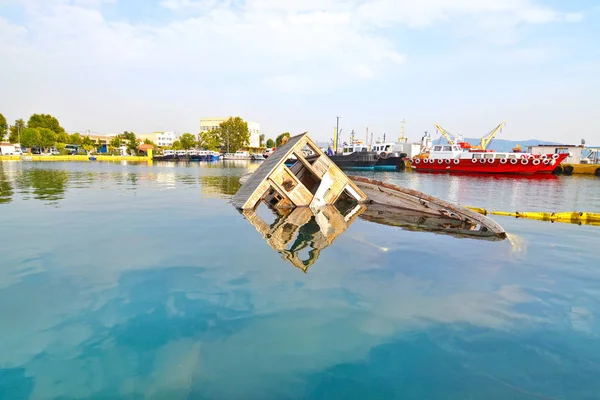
{"x": 383, "y": 147}
{"x": 354, "y": 148}
{"x": 457, "y": 152}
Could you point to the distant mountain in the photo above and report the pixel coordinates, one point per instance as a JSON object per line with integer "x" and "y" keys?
{"x": 505, "y": 145}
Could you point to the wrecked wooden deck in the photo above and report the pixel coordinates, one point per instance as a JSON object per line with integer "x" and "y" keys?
{"x": 315, "y": 181}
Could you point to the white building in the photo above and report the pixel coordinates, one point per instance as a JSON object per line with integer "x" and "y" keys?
{"x": 575, "y": 151}
{"x": 208, "y": 124}
{"x": 164, "y": 139}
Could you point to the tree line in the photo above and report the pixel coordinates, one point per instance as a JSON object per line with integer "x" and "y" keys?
{"x": 44, "y": 131}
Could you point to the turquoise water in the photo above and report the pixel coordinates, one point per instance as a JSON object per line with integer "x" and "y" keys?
{"x": 143, "y": 282}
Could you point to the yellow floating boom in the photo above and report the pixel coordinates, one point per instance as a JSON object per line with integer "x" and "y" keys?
{"x": 581, "y": 218}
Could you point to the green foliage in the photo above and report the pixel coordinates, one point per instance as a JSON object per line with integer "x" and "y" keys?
{"x": 30, "y": 137}
{"x": 132, "y": 142}
{"x": 47, "y": 137}
{"x": 188, "y": 141}
{"x": 177, "y": 145}
{"x": 280, "y": 138}
{"x": 209, "y": 140}
{"x": 44, "y": 121}
{"x": 116, "y": 142}
{"x": 233, "y": 134}
{"x": 76, "y": 139}
{"x": 87, "y": 141}
{"x": 261, "y": 140}
{"x": 62, "y": 137}
{"x": 3, "y": 127}
{"x": 88, "y": 148}
{"x": 61, "y": 147}
{"x": 270, "y": 143}
{"x": 15, "y": 129}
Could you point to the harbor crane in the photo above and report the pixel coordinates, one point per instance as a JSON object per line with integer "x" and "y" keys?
{"x": 485, "y": 141}
{"x": 452, "y": 140}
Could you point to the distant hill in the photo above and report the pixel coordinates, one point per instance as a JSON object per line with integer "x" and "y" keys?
{"x": 505, "y": 145}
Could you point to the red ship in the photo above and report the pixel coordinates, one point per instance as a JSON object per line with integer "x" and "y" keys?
{"x": 455, "y": 158}
{"x": 460, "y": 156}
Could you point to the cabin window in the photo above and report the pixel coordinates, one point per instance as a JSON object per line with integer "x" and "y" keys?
{"x": 447, "y": 148}
{"x": 499, "y": 156}
{"x": 437, "y": 148}
{"x": 476, "y": 156}
{"x": 488, "y": 155}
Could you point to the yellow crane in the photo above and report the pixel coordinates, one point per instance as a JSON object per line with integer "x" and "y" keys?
{"x": 449, "y": 137}
{"x": 488, "y": 138}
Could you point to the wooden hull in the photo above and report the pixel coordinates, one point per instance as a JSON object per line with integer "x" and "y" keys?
{"x": 489, "y": 166}
{"x": 396, "y": 199}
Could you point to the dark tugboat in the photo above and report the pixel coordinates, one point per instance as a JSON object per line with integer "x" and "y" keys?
{"x": 355, "y": 156}
{"x": 389, "y": 157}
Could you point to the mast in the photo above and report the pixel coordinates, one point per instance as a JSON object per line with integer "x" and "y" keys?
{"x": 403, "y": 138}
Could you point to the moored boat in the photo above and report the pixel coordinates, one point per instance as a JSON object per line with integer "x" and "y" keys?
{"x": 355, "y": 156}
{"x": 455, "y": 158}
{"x": 238, "y": 155}
{"x": 389, "y": 156}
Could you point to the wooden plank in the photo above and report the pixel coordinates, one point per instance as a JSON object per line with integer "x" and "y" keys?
{"x": 246, "y": 192}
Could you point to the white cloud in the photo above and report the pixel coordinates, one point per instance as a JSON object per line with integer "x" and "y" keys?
{"x": 293, "y": 47}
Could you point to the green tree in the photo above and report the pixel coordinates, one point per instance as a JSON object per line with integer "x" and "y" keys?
{"x": 30, "y": 137}
{"x": 116, "y": 142}
{"x": 3, "y": 127}
{"x": 88, "y": 148}
{"x": 44, "y": 121}
{"x": 15, "y": 131}
{"x": 187, "y": 141}
{"x": 270, "y": 143}
{"x": 61, "y": 147}
{"x": 280, "y": 138}
{"x": 76, "y": 139}
{"x": 233, "y": 134}
{"x": 63, "y": 137}
{"x": 87, "y": 141}
{"x": 261, "y": 140}
{"x": 132, "y": 142}
{"x": 47, "y": 137}
{"x": 209, "y": 140}
{"x": 177, "y": 145}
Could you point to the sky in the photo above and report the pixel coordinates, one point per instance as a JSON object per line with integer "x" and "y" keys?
{"x": 294, "y": 66}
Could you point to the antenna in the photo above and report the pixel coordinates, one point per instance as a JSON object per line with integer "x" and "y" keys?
{"x": 403, "y": 138}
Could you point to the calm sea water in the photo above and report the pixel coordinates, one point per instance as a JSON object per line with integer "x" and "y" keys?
{"x": 143, "y": 282}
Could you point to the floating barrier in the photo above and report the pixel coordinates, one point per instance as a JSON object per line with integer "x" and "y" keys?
{"x": 572, "y": 217}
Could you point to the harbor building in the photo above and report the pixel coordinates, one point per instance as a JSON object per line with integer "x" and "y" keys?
{"x": 208, "y": 124}
{"x": 161, "y": 139}
{"x": 575, "y": 151}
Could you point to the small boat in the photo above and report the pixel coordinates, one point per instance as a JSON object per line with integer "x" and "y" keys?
{"x": 456, "y": 158}
{"x": 168, "y": 155}
{"x": 389, "y": 156}
{"x": 355, "y": 156}
{"x": 257, "y": 157}
{"x": 212, "y": 156}
{"x": 181, "y": 155}
{"x": 238, "y": 155}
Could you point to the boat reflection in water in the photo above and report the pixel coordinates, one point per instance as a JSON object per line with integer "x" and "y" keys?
{"x": 297, "y": 229}
{"x": 303, "y": 228}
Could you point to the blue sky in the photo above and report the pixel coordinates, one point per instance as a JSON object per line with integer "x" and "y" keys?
{"x": 114, "y": 65}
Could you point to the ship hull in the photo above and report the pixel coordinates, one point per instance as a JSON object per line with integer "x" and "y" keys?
{"x": 522, "y": 166}
{"x": 362, "y": 160}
